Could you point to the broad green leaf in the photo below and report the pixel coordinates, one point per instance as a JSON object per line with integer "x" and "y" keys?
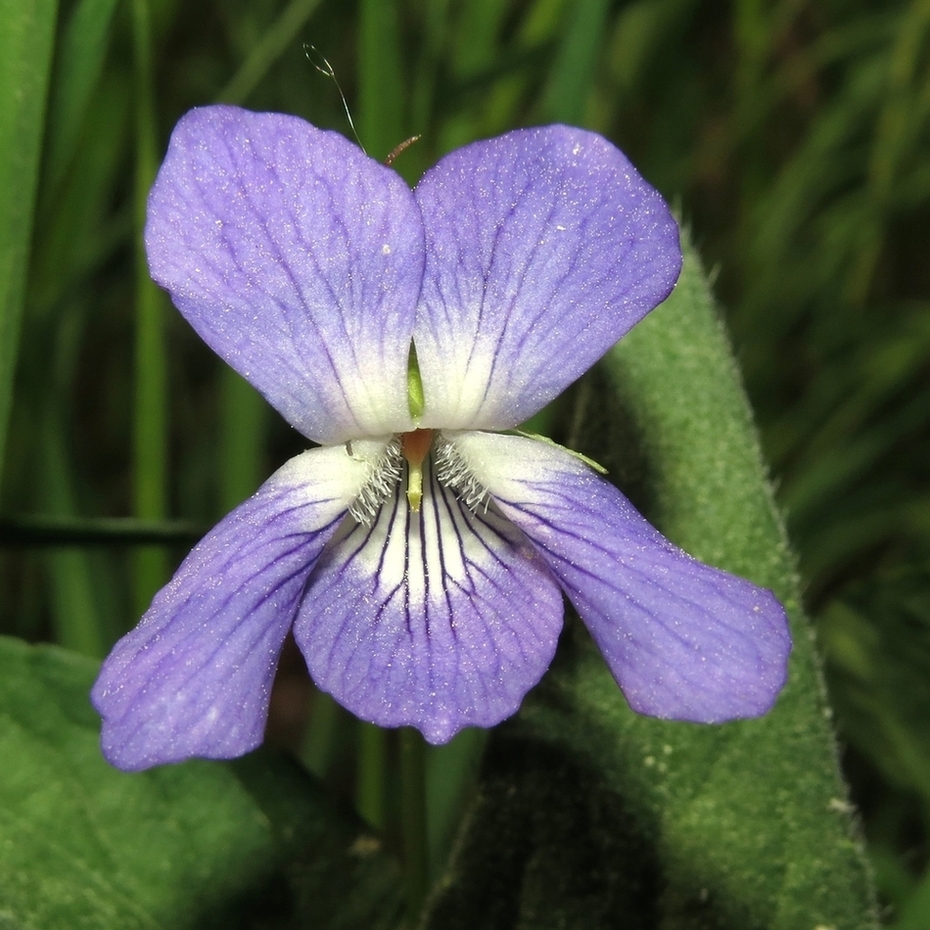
{"x": 244, "y": 844}
{"x": 26, "y": 33}
{"x": 590, "y": 816}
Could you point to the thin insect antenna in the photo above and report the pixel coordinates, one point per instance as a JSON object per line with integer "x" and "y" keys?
{"x": 400, "y": 148}
{"x": 318, "y": 60}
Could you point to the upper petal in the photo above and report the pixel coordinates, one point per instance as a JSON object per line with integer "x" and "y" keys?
{"x": 439, "y": 619}
{"x": 194, "y": 677}
{"x": 544, "y": 246}
{"x": 298, "y": 259}
{"x": 684, "y": 640}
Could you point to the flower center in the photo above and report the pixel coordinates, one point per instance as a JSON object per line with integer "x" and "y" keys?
{"x": 415, "y": 446}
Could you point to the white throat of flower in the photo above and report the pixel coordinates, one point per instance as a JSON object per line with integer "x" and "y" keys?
{"x": 414, "y": 453}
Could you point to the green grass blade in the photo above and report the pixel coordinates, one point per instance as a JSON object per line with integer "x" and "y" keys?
{"x": 276, "y": 41}
{"x": 893, "y": 131}
{"x": 572, "y": 75}
{"x": 26, "y": 37}
{"x": 381, "y": 86}
{"x": 73, "y": 595}
{"x": 429, "y": 64}
{"x": 318, "y": 749}
{"x": 80, "y": 62}
{"x": 114, "y": 532}
{"x": 472, "y": 49}
{"x": 414, "y": 828}
{"x": 151, "y": 362}
{"x": 245, "y": 416}
{"x": 451, "y": 772}
{"x": 371, "y": 791}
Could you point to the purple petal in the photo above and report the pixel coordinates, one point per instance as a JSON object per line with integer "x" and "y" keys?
{"x": 298, "y": 259}
{"x": 544, "y": 246}
{"x": 439, "y": 619}
{"x": 194, "y": 677}
{"x": 685, "y": 641}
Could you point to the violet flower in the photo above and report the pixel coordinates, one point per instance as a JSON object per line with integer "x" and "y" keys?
{"x": 419, "y": 554}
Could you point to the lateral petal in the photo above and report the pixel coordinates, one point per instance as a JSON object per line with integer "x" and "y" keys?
{"x": 684, "y": 640}
{"x": 544, "y": 246}
{"x": 439, "y": 619}
{"x": 297, "y": 259}
{"x": 193, "y": 679}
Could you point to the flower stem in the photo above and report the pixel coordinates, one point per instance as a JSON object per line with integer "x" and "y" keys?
{"x": 372, "y": 773}
{"x": 415, "y": 840}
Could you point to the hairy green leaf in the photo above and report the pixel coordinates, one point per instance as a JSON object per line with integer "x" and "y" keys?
{"x": 591, "y": 816}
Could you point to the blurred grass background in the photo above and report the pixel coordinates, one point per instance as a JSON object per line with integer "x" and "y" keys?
{"x": 793, "y": 134}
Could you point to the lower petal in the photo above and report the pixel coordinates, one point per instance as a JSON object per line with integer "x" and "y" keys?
{"x": 438, "y": 619}
{"x": 193, "y": 679}
{"x": 684, "y": 640}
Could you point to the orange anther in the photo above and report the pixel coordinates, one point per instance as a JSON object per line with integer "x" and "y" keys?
{"x": 415, "y": 445}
